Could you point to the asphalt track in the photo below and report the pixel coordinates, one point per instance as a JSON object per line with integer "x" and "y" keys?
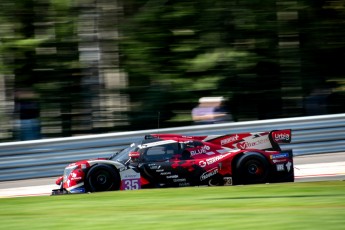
{"x": 318, "y": 167}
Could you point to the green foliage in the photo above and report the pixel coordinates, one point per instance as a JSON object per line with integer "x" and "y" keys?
{"x": 253, "y": 52}
{"x": 265, "y": 56}
{"x": 192, "y": 46}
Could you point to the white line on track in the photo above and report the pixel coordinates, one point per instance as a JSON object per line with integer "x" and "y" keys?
{"x": 320, "y": 169}
{"x": 41, "y": 190}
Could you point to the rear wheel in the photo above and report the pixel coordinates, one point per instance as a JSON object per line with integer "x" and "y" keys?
{"x": 251, "y": 168}
{"x": 102, "y": 178}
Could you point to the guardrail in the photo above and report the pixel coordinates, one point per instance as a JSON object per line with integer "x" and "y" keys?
{"x": 48, "y": 157}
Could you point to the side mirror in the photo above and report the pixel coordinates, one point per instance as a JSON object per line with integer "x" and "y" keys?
{"x": 134, "y": 155}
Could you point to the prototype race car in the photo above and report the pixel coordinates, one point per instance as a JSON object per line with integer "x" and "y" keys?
{"x": 171, "y": 160}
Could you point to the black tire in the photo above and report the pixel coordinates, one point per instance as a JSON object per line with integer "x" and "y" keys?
{"x": 102, "y": 178}
{"x": 251, "y": 168}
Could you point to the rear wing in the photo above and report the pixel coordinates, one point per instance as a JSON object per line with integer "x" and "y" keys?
{"x": 279, "y": 136}
{"x": 259, "y": 140}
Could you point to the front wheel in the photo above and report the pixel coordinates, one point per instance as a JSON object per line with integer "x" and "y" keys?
{"x": 251, "y": 168}
{"x": 102, "y": 178}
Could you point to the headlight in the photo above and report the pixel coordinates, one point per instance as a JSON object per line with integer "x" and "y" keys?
{"x": 68, "y": 171}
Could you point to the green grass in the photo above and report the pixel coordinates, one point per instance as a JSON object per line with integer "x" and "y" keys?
{"x": 302, "y": 206}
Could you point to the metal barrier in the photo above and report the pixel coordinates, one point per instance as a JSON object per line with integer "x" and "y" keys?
{"x": 48, "y": 157}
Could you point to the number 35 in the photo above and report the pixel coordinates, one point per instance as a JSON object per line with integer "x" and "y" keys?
{"x": 133, "y": 184}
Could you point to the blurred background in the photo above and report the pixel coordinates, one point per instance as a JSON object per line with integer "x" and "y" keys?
{"x": 76, "y": 67}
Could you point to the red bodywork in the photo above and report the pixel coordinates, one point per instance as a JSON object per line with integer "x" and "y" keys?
{"x": 242, "y": 158}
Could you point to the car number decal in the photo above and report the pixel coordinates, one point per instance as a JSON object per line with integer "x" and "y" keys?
{"x": 130, "y": 180}
{"x": 130, "y": 184}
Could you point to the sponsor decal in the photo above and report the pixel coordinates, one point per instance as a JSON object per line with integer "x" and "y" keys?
{"x": 227, "y": 180}
{"x": 246, "y": 144}
{"x": 77, "y": 190}
{"x": 197, "y": 152}
{"x": 202, "y": 163}
{"x": 165, "y": 173}
{"x": 212, "y": 160}
{"x": 229, "y": 140}
{"x": 208, "y": 174}
{"x": 183, "y": 184}
{"x": 280, "y": 167}
{"x": 172, "y": 177}
{"x": 280, "y": 155}
{"x": 282, "y": 136}
{"x": 288, "y": 166}
{"x": 154, "y": 166}
{"x": 202, "y": 150}
{"x": 217, "y": 158}
{"x": 160, "y": 170}
{"x": 180, "y": 180}
{"x": 130, "y": 176}
{"x": 279, "y": 161}
{"x": 74, "y": 176}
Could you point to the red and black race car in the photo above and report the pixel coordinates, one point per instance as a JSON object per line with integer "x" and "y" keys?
{"x": 170, "y": 160}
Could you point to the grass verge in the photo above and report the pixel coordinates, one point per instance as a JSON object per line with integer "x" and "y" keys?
{"x": 310, "y": 205}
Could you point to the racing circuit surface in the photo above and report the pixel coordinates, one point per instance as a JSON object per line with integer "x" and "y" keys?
{"x": 318, "y": 167}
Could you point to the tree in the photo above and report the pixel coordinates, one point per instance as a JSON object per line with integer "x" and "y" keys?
{"x": 41, "y": 52}
{"x": 200, "y": 48}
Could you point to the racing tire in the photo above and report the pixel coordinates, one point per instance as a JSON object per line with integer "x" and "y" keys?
{"x": 102, "y": 178}
{"x": 251, "y": 168}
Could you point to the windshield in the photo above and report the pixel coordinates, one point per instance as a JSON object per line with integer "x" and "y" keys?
{"x": 122, "y": 155}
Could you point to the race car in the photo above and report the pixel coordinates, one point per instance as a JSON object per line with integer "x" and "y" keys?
{"x": 173, "y": 160}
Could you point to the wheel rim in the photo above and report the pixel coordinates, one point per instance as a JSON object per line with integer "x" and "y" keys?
{"x": 101, "y": 181}
{"x": 255, "y": 170}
